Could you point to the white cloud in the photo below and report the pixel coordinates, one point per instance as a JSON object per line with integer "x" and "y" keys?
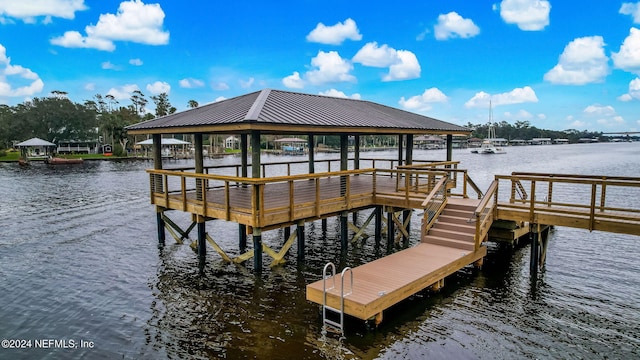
{"x": 408, "y": 68}
{"x": 220, "y": 86}
{"x": 336, "y": 34}
{"x": 135, "y": 21}
{"x": 90, "y": 86}
{"x": 107, "y": 65}
{"x": 28, "y": 11}
{"x": 403, "y": 64}
{"x": 329, "y": 67}
{"x": 515, "y": 96}
{"x": 634, "y": 91}
{"x": 123, "y": 92}
{"x": 423, "y": 102}
{"x": 377, "y": 56}
{"x": 452, "y": 25}
{"x": 339, "y": 94}
{"x": 136, "y": 62}
{"x": 293, "y": 81}
{"x": 245, "y": 84}
{"x": 159, "y": 87}
{"x": 600, "y": 110}
{"x": 191, "y": 83}
{"x": 520, "y": 115}
{"x": 15, "y": 80}
{"x": 631, "y": 9}
{"x": 529, "y": 15}
{"x": 583, "y": 61}
{"x": 220, "y": 98}
{"x": 603, "y": 115}
{"x": 628, "y": 58}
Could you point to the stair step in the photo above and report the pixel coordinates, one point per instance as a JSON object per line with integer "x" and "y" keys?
{"x": 451, "y": 234}
{"x": 452, "y": 226}
{"x": 459, "y": 244}
{"x": 462, "y": 207}
{"x": 457, "y": 213}
{"x": 454, "y": 219}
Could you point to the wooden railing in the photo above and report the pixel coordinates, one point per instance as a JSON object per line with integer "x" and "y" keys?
{"x": 484, "y": 214}
{"x": 605, "y": 203}
{"x": 264, "y": 202}
{"x": 287, "y": 167}
{"x": 459, "y": 179}
{"x": 434, "y": 204}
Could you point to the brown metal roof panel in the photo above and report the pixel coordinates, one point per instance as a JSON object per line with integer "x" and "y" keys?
{"x": 222, "y": 112}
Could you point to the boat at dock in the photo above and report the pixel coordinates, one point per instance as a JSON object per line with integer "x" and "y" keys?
{"x": 489, "y": 145}
{"x": 63, "y": 161}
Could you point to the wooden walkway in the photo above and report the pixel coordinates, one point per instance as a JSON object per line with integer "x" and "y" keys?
{"x": 382, "y": 283}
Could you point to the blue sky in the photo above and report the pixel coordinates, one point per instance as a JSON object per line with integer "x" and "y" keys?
{"x": 557, "y": 64}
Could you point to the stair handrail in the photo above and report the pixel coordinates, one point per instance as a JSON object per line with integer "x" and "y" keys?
{"x": 473, "y": 185}
{"x": 431, "y": 206}
{"x": 483, "y": 214}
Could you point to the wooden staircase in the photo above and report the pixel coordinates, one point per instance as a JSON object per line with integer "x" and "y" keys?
{"x": 452, "y": 228}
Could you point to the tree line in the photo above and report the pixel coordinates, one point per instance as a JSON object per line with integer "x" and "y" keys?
{"x": 523, "y": 130}
{"x": 57, "y": 119}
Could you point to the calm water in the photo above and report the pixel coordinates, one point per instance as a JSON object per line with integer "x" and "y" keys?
{"x": 79, "y": 261}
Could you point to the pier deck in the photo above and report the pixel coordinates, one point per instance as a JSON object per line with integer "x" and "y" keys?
{"x": 382, "y": 283}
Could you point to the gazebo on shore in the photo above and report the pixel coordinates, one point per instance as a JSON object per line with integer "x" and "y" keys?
{"x": 35, "y": 148}
{"x": 276, "y": 112}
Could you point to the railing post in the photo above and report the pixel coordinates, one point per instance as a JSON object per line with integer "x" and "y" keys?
{"x": 592, "y": 208}
{"x": 532, "y": 205}
{"x": 603, "y": 194}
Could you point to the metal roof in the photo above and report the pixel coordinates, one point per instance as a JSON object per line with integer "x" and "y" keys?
{"x": 35, "y": 142}
{"x": 290, "y": 112}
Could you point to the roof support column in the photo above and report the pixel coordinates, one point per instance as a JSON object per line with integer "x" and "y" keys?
{"x": 255, "y": 173}
{"x": 356, "y": 161}
{"x": 311, "y": 145}
{"x": 199, "y": 159}
{"x": 400, "y": 140}
{"x": 344, "y": 152}
{"x": 409, "y": 150}
{"x": 449, "y": 147}
{"x": 244, "y": 154}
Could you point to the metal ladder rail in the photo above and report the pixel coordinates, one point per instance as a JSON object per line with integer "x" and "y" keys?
{"x": 325, "y": 321}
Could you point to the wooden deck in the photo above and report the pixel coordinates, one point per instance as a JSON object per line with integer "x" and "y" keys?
{"x": 272, "y": 202}
{"x": 385, "y": 282}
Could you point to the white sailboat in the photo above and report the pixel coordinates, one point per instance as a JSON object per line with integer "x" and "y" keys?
{"x": 488, "y": 146}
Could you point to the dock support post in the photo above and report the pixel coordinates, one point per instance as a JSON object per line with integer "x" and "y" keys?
{"x": 202, "y": 243}
{"x": 160, "y": 225}
{"x": 406, "y": 220}
{"x": 378, "y": 224}
{"x": 390, "y": 228}
{"x": 242, "y": 238}
{"x": 323, "y": 223}
{"x": 287, "y": 233}
{"x": 257, "y": 250}
{"x": 535, "y": 253}
{"x": 300, "y": 233}
{"x": 344, "y": 232}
